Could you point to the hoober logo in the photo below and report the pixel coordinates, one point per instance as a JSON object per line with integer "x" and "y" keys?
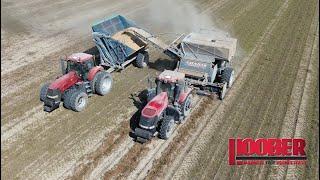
{"x": 280, "y": 151}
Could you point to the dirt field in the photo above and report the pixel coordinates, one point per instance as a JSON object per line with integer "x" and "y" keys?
{"x": 275, "y": 94}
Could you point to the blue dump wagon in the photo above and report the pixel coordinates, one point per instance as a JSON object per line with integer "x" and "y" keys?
{"x": 117, "y": 45}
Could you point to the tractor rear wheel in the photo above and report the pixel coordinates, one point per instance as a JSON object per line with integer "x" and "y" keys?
{"x": 76, "y": 100}
{"x": 142, "y": 59}
{"x": 186, "y": 106}
{"x": 166, "y": 127}
{"x": 43, "y": 91}
{"x": 228, "y": 76}
{"x": 102, "y": 83}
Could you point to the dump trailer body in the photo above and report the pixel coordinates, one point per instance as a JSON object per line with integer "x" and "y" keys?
{"x": 117, "y": 47}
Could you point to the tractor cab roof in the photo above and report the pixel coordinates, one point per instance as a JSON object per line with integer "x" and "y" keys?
{"x": 171, "y": 76}
{"x": 79, "y": 57}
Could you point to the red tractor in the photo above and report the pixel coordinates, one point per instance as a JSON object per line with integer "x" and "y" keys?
{"x": 81, "y": 78}
{"x": 168, "y": 103}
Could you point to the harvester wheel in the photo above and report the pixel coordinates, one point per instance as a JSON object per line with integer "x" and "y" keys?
{"x": 186, "y": 106}
{"x": 228, "y": 76}
{"x": 166, "y": 127}
{"x": 142, "y": 59}
{"x": 102, "y": 83}
{"x": 43, "y": 91}
{"x": 223, "y": 91}
{"x": 76, "y": 100}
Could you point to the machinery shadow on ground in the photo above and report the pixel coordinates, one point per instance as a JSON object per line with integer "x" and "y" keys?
{"x": 139, "y": 101}
{"x": 162, "y": 64}
{"x": 93, "y": 51}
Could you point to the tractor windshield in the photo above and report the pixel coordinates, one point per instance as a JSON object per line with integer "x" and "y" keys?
{"x": 166, "y": 87}
{"x": 82, "y": 69}
{"x": 74, "y": 66}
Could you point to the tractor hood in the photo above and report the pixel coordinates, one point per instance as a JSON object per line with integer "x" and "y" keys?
{"x": 156, "y": 106}
{"x": 64, "y": 82}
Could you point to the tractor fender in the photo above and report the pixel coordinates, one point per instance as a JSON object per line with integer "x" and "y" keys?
{"x": 93, "y": 72}
{"x": 184, "y": 95}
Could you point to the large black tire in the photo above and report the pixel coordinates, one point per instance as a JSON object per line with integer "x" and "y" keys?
{"x": 228, "y": 76}
{"x": 142, "y": 60}
{"x": 186, "y": 106}
{"x": 223, "y": 91}
{"x": 43, "y": 91}
{"x": 166, "y": 127}
{"x": 102, "y": 83}
{"x": 67, "y": 96}
{"x": 76, "y": 100}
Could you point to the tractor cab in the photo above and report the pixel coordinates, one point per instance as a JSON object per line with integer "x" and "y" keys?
{"x": 168, "y": 103}
{"x": 171, "y": 82}
{"x": 81, "y": 63}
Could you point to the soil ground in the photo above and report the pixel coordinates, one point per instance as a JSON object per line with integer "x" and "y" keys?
{"x": 275, "y": 94}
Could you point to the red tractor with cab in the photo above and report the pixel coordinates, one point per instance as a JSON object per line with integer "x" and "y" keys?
{"x": 81, "y": 78}
{"x": 168, "y": 103}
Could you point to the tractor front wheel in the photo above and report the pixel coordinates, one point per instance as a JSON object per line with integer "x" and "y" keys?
{"x": 166, "y": 127}
{"x": 77, "y": 100}
{"x": 43, "y": 92}
{"x": 142, "y": 59}
{"x": 102, "y": 83}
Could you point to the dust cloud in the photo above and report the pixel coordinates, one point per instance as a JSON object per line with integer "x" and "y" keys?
{"x": 179, "y": 16}
{"x": 170, "y": 18}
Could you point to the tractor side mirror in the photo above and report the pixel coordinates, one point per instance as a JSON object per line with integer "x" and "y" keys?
{"x": 63, "y": 66}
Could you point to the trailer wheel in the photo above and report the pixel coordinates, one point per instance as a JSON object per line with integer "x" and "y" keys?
{"x": 186, "y": 106}
{"x": 43, "y": 92}
{"x": 102, "y": 83}
{"x": 223, "y": 91}
{"x": 166, "y": 127}
{"x": 142, "y": 59}
{"x": 77, "y": 101}
{"x": 228, "y": 76}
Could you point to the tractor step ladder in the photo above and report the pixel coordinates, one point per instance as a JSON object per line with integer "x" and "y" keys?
{"x": 88, "y": 87}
